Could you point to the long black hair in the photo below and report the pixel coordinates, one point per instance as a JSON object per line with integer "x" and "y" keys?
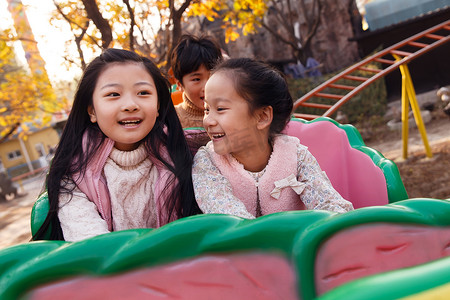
{"x": 70, "y": 158}
{"x": 260, "y": 85}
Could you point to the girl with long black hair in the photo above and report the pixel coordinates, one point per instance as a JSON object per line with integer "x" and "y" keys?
{"x": 122, "y": 161}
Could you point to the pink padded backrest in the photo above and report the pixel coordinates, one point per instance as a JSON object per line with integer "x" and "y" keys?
{"x": 352, "y": 172}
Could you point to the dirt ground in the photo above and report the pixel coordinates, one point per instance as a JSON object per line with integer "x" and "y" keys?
{"x": 423, "y": 177}
{"x": 15, "y": 214}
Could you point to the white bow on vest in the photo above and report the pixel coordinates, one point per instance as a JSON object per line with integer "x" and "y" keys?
{"x": 290, "y": 181}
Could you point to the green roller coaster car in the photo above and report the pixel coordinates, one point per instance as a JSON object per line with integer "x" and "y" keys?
{"x": 300, "y": 237}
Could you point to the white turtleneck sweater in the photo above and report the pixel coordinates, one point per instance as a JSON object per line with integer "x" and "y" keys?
{"x": 130, "y": 178}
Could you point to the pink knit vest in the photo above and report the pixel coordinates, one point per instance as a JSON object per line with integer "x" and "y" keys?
{"x": 94, "y": 186}
{"x": 282, "y": 163}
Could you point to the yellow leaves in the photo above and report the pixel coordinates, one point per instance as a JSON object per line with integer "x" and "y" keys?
{"x": 24, "y": 97}
{"x": 3, "y": 122}
{"x": 47, "y": 119}
{"x": 23, "y": 135}
{"x": 246, "y": 15}
{"x": 211, "y": 16}
{"x": 4, "y": 132}
{"x": 207, "y": 9}
{"x": 230, "y": 35}
{"x": 256, "y": 8}
{"x": 5, "y": 52}
{"x": 162, "y": 4}
{"x": 154, "y": 20}
{"x": 25, "y": 127}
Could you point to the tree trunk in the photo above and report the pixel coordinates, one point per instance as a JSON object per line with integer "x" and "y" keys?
{"x": 176, "y": 17}
{"x": 133, "y": 22}
{"x": 102, "y": 24}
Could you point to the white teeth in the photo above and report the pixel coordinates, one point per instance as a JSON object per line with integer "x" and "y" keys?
{"x": 216, "y": 136}
{"x": 130, "y": 122}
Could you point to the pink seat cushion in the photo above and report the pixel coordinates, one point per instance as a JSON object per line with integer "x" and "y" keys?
{"x": 261, "y": 276}
{"x": 352, "y": 172}
{"x": 369, "y": 249}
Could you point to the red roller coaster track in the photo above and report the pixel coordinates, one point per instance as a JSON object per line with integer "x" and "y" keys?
{"x": 333, "y": 89}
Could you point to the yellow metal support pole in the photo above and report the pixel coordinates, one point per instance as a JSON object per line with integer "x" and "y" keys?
{"x": 405, "y": 121}
{"x": 416, "y": 112}
{"x": 409, "y": 95}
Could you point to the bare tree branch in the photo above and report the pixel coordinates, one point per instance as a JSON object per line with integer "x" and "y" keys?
{"x": 133, "y": 23}
{"x": 277, "y": 35}
{"x": 315, "y": 25}
{"x": 102, "y": 24}
{"x": 10, "y": 131}
{"x": 78, "y": 38}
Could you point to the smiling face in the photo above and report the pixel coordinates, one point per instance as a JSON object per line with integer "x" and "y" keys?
{"x": 193, "y": 85}
{"x": 230, "y": 124}
{"x": 125, "y": 104}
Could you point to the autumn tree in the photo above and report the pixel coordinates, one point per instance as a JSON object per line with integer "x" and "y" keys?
{"x": 105, "y": 23}
{"x": 21, "y": 96}
{"x": 150, "y": 28}
{"x": 26, "y": 94}
{"x": 292, "y": 22}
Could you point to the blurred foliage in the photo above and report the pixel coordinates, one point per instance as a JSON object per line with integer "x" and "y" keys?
{"x": 371, "y": 101}
{"x": 26, "y": 100}
{"x": 153, "y": 27}
{"x": 148, "y": 27}
{"x": 278, "y": 18}
{"x": 246, "y": 15}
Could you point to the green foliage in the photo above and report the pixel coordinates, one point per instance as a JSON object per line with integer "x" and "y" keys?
{"x": 371, "y": 101}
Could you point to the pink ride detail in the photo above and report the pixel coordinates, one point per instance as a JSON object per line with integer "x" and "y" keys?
{"x": 376, "y": 248}
{"x": 240, "y": 277}
{"x": 352, "y": 173}
{"x": 278, "y": 168}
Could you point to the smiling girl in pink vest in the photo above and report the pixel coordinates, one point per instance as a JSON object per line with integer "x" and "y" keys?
{"x": 249, "y": 168}
{"x": 122, "y": 161}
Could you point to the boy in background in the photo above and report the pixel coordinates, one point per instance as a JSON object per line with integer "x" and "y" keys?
{"x": 191, "y": 63}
